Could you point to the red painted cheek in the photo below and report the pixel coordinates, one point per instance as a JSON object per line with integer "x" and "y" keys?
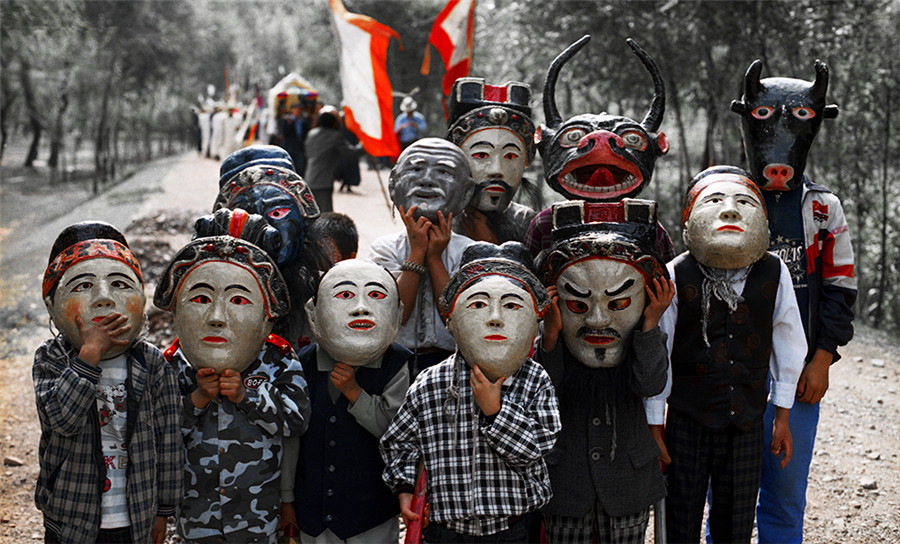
{"x": 134, "y": 307}
{"x": 71, "y": 309}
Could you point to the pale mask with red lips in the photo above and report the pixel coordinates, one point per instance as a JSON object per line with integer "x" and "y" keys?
{"x": 601, "y": 301}
{"x": 220, "y": 317}
{"x": 93, "y": 289}
{"x": 494, "y": 323}
{"x": 357, "y": 312}
{"x": 727, "y": 226}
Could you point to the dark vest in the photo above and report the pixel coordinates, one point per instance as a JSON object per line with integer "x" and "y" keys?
{"x": 338, "y": 484}
{"x": 724, "y": 384}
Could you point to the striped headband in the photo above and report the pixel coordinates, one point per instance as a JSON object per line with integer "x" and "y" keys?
{"x": 717, "y": 174}
{"x": 84, "y": 250}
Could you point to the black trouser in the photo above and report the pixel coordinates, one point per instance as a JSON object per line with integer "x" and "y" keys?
{"x": 121, "y": 535}
{"x": 517, "y": 533}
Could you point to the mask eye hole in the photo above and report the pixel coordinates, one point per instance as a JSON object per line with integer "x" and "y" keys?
{"x": 803, "y": 113}
{"x": 377, "y": 295}
{"x": 345, "y": 295}
{"x": 634, "y": 140}
{"x": 620, "y": 303}
{"x": 480, "y": 155}
{"x": 762, "y": 112}
{"x": 201, "y": 299}
{"x": 477, "y": 305}
{"x": 571, "y": 137}
{"x": 278, "y": 213}
{"x": 576, "y": 306}
{"x": 240, "y": 301}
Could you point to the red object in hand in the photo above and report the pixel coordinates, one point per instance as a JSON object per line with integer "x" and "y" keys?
{"x": 414, "y": 531}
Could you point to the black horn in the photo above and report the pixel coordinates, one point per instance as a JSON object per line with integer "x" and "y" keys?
{"x": 551, "y": 114}
{"x": 821, "y": 84}
{"x": 653, "y": 118}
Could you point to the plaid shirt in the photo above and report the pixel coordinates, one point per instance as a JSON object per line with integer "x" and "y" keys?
{"x": 72, "y": 469}
{"x": 481, "y": 470}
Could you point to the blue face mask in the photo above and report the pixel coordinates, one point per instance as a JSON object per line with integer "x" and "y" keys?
{"x": 280, "y": 210}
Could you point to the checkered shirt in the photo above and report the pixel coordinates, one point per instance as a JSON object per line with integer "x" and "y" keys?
{"x": 481, "y": 470}
{"x": 72, "y": 469}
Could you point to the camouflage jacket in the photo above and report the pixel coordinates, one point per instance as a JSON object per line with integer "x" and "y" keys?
{"x": 233, "y": 451}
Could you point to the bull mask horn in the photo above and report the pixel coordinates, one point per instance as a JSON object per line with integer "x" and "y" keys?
{"x": 653, "y": 118}
{"x": 551, "y": 114}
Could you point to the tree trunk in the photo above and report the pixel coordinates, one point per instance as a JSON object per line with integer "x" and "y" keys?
{"x": 684, "y": 156}
{"x": 885, "y": 160}
{"x": 37, "y": 126}
{"x": 101, "y": 139}
{"x": 58, "y": 133}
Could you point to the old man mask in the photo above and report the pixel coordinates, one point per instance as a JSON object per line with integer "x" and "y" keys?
{"x": 356, "y": 313}
{"x": 434, "y": 175}
{"x": 602, "y": 257}
{"x": 92, "y": 274}
{"x": 494, "y": 303}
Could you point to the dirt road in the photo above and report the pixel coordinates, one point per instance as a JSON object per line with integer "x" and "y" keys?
{"x": 854, "y": 493}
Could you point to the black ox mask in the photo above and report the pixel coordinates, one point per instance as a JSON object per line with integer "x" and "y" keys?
{"x": 600, "y": 157}
{"x": 780, "y": 118}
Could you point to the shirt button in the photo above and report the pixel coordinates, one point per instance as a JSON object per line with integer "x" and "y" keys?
{"x": 732, "y": 412}
{"x": 731, "y": 336}
{"x": 331, "y": 443}
{"x": 332, "y": 419}
{"x": 332, "y": 469}
{"x": 596, "y": 421}
{"x": 595, "y": 456}
{"x": 330, "y": 492}
{"x": 731, "y": 388}
{"x": 730, "y": 362}
{"x": 328, "y": 518}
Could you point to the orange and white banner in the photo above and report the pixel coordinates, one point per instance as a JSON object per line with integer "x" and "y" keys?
{"x": 368, "y": 102}
{"x": 451, "y": 35}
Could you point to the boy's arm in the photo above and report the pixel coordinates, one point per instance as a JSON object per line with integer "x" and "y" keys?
{"x": 523, "y": 434}
{"x": 375, "y": 412}
{"x": 281, "y": 405}
{"x": 839, "y": 288}
{"x": 400, "y": 447}
{"x": 166, "y": 426}
{"x": 788, "y": 343}
{"x": 64, "y": 388}
{"x": 649, "y": 369}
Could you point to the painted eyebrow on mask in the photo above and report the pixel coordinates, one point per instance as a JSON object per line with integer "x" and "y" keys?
{"x": 120, "y": 275}
{"x": 483, "y": 142}
{"x": 512, "y": 295}
{"x": 342, "y": 283}
{"x": 572, "y": 290}
{"x": 478, "y": 294}
{"x": 624, "y": 287}
{"x": 513, "y": 145}
{"x": 79, "y": 276}
{"x": 237, "y": 286}
{"x": 202, "y": 286}
{"x": 376, "y": 284}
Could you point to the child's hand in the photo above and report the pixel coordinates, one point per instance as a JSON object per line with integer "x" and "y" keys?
{"x": 658, "y": 434}
{"x": 407, "y": 512}
{"x": 487, "y": 393}
{"x": 289, "y": 524}
{"x": 416, "y": 231}
{"x": 344, "y": 378}
{"x": 438, "y": 237}
{"x": 231, "y": 386}
{"x": 552, "y": 321}
{"x": 158, "y": 533}
{"x": 207, "y": 387}
{"x": 98, "y": 337}
{"x": 782, "y": 443}
{"x": 659, "y": 297}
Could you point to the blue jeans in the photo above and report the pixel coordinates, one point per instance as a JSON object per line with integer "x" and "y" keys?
{"x": 782, "y": 493}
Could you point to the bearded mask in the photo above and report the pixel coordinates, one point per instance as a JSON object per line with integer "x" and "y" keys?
{"x": 724, "y": 219}
{"x": 493, "y": 127}
{"x": 92, "y": 274}
{"x": 494, "y": 303}
{"x": 225, "y": 292}
{"x": 780, "y": 118}
{"x": 600, "y": 157}
{"x": 602, "y": 257}
{"x": 356, "y": 313}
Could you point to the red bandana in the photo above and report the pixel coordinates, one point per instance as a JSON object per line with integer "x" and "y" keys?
{"x": 87, "y": 249}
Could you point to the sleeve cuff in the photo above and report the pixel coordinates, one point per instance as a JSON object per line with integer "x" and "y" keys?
{"x": 164, "y": 511}
{"x": 783, "y": 394}
{"x": 86, "y": 371}
{"x": 404, "y": 488}
{"x": 656, "y": 411}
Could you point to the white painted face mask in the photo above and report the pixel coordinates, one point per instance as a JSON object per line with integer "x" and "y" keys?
{"x": 494, "y": 324}
{"x": 94, "y": 289}
{"x": 357, "y": 312}
{"x": 220, "y": 317}
{"x": 727, "y": 226}
{"x": 600, "y": 301}
{"x": 498, "y": 159}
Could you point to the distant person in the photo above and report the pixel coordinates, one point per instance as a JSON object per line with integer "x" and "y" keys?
{"x": 337, "y": 233}
{"x": 204, "y": 120}
{"x": 324, "y": 146}
{"x": 294, "y": 128}
{"x": 348, "y": 167}
{"x": 409, "y": 125}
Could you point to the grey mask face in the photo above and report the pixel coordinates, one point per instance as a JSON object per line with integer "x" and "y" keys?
{"x": 432, "y": 175}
